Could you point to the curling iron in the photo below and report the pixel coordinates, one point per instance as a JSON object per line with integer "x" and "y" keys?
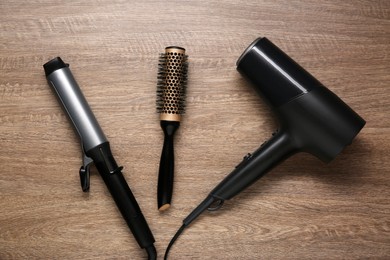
{"x": 312, "y": 119}
{"x": 96, "y": 149}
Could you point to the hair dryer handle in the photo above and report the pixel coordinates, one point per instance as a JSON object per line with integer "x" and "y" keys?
{"x": 255, "y": 165}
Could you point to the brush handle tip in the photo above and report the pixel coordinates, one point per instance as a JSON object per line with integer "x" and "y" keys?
{"x": 164, "y": 207}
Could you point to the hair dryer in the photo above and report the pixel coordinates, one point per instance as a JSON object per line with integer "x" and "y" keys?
{"x": 312, "y": 119}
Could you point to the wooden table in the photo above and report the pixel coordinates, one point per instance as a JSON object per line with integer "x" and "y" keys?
{"x": 303, "y": 209}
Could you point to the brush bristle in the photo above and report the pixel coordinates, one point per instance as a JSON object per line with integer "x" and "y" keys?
{"x": 172, "y": 82}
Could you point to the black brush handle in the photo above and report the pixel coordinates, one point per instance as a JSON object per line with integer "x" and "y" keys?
{"x": 167, "y": 165}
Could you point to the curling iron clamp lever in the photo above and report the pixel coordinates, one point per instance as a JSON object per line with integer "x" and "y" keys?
{"x": 84, "y": 172}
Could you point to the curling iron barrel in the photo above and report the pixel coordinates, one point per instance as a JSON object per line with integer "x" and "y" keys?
{"x": 61, "y": 79}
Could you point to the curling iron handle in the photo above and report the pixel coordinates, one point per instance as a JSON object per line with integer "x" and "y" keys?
{"x": 254, "y": 166}
{"x": 121, "y": 193}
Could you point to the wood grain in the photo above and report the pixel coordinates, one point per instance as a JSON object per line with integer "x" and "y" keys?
{"x": 304, "y": 209}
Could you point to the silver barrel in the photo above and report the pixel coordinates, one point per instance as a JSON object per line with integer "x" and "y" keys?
{"x": 77, "y": 108}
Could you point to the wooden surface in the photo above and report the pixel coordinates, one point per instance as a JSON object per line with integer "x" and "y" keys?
{"x": 303, "y": 209}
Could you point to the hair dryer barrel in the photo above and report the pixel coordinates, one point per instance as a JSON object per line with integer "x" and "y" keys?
{"x": 275, "y": 75}
{"x": 313, "y": 117}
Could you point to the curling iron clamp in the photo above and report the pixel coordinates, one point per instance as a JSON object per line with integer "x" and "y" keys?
{"x": 96, "y": 149}
{"x": 312, "y": 119}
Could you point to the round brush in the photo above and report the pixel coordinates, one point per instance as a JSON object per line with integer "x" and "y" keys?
{"x": 171, "y": 87}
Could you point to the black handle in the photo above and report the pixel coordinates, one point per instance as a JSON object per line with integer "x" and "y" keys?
{"x": 167, "y": 166}
{"x": 255, "y": 165}
{"x": 121, "y": 193}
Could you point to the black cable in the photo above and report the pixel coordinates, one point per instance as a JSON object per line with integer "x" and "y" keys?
{"x": 192, "y": 216}
{"x": 173, "y": 241}
{"x": 152, "y": 253}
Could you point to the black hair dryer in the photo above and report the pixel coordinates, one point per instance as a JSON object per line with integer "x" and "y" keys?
{"x": 312, "y": 119}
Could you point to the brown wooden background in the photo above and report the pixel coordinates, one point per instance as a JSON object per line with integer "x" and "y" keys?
{"x": 304, "y": 209}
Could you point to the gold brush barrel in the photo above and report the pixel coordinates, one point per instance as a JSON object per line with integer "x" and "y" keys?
{"x": 172, "y": 83}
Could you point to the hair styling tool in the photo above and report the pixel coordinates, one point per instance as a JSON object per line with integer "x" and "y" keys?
{"x": 96, "y": 149}
{"x": 171, "y": 88}
{"x": 312, "y": 119}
